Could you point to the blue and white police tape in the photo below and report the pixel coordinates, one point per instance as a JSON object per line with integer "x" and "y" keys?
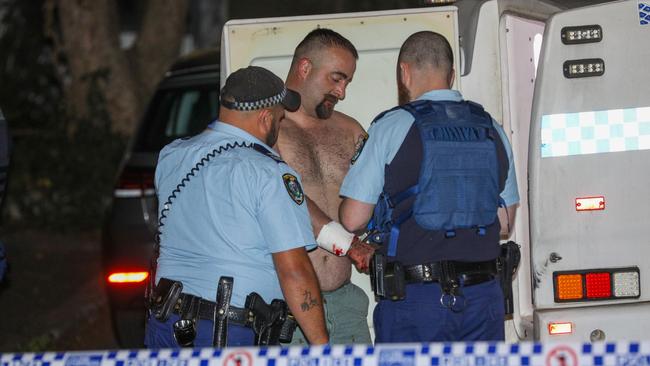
{"x": 435, "y": 354}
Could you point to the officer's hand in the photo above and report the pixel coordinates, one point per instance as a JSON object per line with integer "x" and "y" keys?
{"x": 360, "y": 254}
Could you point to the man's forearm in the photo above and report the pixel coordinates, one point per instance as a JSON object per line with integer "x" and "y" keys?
{"x": 302, "y": 293}
{"x": 318, "y": 217}
{"x": 507, "y": 220}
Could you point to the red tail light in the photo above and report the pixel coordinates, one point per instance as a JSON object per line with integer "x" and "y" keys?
{"x": 135, "y": 182}
{"x": 127, "y": 277}
{"x": 599, "y": 285}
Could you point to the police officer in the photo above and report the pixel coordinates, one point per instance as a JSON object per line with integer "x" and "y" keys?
{"x": 233, "y": 224}
{"x": 431, "y": 175}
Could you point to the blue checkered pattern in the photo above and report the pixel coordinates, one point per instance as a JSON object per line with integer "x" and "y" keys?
{"x": 644, "y": 12}
{"x": 595, "y": 132}
{"x": 433, "y": 354}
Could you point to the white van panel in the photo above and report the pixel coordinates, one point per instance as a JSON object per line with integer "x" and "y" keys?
{"x": 377, "y": 36}
{"x": 483, "y": 83}
{"x": 518, "y": 57}
{"x": 616, "y": 236}
{"x": 587, "y": 322}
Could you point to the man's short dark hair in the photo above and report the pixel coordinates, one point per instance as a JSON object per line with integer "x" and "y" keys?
{"x": 428, "y": 48}
{"x": 319, "y": 39}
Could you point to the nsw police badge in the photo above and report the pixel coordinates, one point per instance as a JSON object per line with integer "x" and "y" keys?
{"x": 293, "y": 187}
{"x": 361, "y": 142}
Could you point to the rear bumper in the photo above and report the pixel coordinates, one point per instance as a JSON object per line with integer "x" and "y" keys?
{"x": 629, "y": 321}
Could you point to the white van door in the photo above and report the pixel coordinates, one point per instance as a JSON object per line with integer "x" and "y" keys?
{"x": 589, "y": 176}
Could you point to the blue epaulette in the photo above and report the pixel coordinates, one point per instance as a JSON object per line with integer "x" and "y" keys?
{"x": 382, "y": 114}
{"x": 263, "y": 150}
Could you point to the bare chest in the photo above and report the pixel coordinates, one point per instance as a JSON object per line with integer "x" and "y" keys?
{"x": 319, "y": 155}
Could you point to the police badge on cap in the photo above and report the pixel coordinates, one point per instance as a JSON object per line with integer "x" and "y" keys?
{"x": 294, "y": 189}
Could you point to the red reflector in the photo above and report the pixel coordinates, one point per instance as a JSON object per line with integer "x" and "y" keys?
{"x": 127, "y": 277}
{"x": 590, "y": 203}
{"x": 599, "y": 285}
{"x": 560, "y": 328}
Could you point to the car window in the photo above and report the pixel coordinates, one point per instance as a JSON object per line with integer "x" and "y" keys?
{"x": 175, "y": 113}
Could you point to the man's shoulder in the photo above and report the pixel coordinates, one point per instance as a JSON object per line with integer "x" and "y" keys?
{"x": 394, "y": 115}
{"x": 347, "y": 122}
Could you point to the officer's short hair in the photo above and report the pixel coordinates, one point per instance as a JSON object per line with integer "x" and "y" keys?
{"x": 428, "y": 48}
{"x": 319, "y": 39}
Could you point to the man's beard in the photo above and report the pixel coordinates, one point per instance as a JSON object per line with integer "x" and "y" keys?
{"x": 272, "y": 137}
{"x": 403, "y": 95}
{"x": 323, "y": 111}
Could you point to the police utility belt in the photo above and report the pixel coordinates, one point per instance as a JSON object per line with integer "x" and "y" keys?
{"x": 272, "y": 323}
{"x": 389, "y": 280}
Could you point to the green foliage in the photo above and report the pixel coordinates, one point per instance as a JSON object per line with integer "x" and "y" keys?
{"x": 63, "y": 168}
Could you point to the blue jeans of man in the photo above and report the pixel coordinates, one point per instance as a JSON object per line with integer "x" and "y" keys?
{"x": 161, "y": 334}
{"x": 478, "y": 315}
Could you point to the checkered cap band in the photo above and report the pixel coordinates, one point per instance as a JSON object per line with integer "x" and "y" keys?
{"x": 259, "y": 104}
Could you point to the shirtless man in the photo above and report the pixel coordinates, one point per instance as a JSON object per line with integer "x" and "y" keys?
{"x": 319, "y": 144}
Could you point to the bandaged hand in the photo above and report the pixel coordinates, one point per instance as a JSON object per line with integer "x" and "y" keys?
{"x": 335, "y": 239}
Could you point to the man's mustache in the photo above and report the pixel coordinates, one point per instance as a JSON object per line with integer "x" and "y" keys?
{"x": 330, "y": 98}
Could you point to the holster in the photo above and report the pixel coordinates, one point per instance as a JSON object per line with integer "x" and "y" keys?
{"x": 387, "y": 279}
{"x": 268, "y": 320}
{"x": 224, "y": 294}
{"x": 507, "y": 263}
{"x": 164, "y": 298}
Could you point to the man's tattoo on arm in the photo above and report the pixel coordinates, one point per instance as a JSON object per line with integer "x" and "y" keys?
{"x": 308, "y": 301}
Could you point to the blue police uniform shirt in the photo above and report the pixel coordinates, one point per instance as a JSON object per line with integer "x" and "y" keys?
{"x": 229, "y": 218}
{"x": 365, "y": 180}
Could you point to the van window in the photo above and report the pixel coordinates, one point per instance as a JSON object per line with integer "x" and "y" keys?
{"x": 176, "y": 113}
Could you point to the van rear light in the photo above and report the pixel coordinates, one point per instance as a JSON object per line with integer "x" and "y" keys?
{"x": 626, "y": 284}
{"x": 127, "y": 277}
{"x": 583, "y": 68}
{"x": 135, "y": 182}
{"x": 569, "y": 286}
{"x": 596, "y": 284}
{"x": 590, "y": 203}
{"x": 560, "y": 328}
{"x": 582, "y": 34}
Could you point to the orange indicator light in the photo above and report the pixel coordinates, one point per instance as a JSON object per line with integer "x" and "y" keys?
{"x": 569, "y": 286}
{"x": 590, "y": 203}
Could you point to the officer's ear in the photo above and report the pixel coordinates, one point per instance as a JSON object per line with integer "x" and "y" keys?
{"x": 404, "y": 70}
{"x": 452, "y": 77}
{"x": 265, "y": 121}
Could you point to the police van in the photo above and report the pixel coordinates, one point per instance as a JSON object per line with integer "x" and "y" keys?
{"x": 572, "y": 90}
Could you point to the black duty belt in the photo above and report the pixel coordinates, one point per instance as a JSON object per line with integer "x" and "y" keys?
{"x": 236, "y": 315}
{"x": 469, "y": 273}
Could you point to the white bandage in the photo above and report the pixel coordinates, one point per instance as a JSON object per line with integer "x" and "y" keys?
{"x": 334, "y": 238}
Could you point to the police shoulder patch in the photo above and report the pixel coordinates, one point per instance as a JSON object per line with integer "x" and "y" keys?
{"x": 361, "y": 142}
{"x": 293, "y": 187}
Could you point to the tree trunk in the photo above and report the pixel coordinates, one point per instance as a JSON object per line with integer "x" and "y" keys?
{"x": 86, "y": 37}
{"x": 209, "y": 17}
